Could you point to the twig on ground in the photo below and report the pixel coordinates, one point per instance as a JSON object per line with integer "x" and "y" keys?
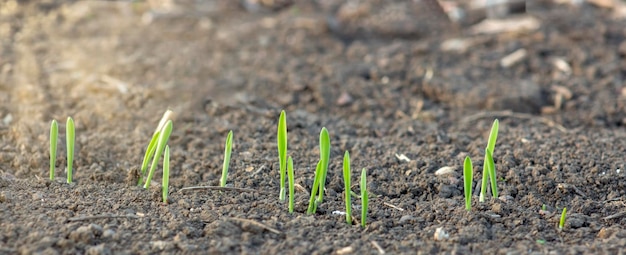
{"x": 258, "y": 224}
{"x": 615, "y": 216}
{"x": 393, "y": 206}
{"x": 104, "y": 216}
{"x": 517, "y": 115}
{"x": 377, "y": 246}
{"x": 221, "y": 189}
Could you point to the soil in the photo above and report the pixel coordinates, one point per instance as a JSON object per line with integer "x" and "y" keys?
{"x": 404, "y": 100}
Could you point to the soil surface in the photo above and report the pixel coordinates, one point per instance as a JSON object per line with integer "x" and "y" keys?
{"x": 405, "y": 90}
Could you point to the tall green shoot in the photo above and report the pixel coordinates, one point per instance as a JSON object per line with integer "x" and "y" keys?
{"x": 324, "y": 158}
{"x": 290, "y": 176}
{"x": 364, "y": 197}
{"x": 162, "y": 142}
{"x": 562, "y": 220}
{"x": 54, "y": 133}
{"x": 487, "y": 172}
{"x": 152, "y": 146}
{"x": 316, "y": 183}
{"x": 282, "y": 152}
{"x": 467, "y": 180}
{"x": 69, "y": 139}
{"x": 166, "y": 174}
{"x": 347, "y": 185}
{"x": 227, "y": 151}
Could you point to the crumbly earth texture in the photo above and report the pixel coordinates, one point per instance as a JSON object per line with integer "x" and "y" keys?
{"x": 405, "y": 101}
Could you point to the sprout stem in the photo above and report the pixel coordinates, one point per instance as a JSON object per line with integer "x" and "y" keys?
{"x": 54, "y": 133}
{"x": 69, "y": 138}
{"x": 227, "y": 151}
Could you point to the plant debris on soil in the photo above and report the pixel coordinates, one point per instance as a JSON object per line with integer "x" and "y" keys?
{"x": 409, "y": 88}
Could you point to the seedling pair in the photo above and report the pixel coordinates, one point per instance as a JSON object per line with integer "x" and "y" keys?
{"x": 69, "y": 138}
{"x": 317, "y": 192}
{"x": 285, "y": 164}
{"x": 489, "y": 171}
{"x": 348, "y": 191}
{"x": 157, "y": 147}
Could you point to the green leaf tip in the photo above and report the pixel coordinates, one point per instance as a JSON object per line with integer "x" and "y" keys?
{"x": 290, "y": 176}
{"x": 282, "y": 152}
{"x": 54, "y": 134}
{"x": 563, "y": 216}
{"x": 70, "y": 137}
{"x": 166, "y": 174}
{"x": 364, "y": 197}
{"x": 467, "y": 180}
{"x": 227, "y": 152}
{"x": 324, "y": 158}
{"x": 347, "y": 187}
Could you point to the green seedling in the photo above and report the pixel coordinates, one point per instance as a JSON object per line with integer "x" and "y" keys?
{"x": 316, "y": 183}
{"x": 69, "y": 138}
{"x": 324, "y": 158}
{"x": 54, "y": 133}
{"x": 290, "y": 176}
{"x": 467, "y": 180}
{"x": 347, "y": 185}
{"x": 543, "y": 207}
{"x": 364, "y": 197}
{"x": 162, "y": 142}
{"x": 488, "y": 172}
{"x": 282, "y": 152}
{"x": 227, "y": 151}
{"x": 152, "y": 146}
{"x": 562, "y": 221}
{"x": 166, "y": 174}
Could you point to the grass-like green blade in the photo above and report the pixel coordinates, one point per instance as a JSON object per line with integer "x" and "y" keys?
{"x": 347, "y": 185}
{"x": 324, "y": 158}
{"x": 166, "y": 174}
{"x": 364, "y": 197}
{"x": 163, "y": 138}
{"x": 493, "y": 136}
{"x": 54, "y": 134}
{"x": 491, "y": 145}
{"x": 467, "y": 180}
{"x": 282, "y": 152}
{"x": 563, "y": 215}
{"x": 70, "y": 138}
{"x": 152, "y": 146}
{"x": 149, "y": 154}
{"x": 491, "y": 168}
{"x": 290, "y": 176}
{"x": 227, "y": 151}
{"x": 316, "y": 182}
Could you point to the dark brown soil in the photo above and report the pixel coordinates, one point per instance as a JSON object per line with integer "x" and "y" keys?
{"x": 383, "y": 89}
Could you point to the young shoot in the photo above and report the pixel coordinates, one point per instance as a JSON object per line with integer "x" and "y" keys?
{"x": 562, "y": 221}
{"x": 163, "y": 138}
{"x": 54, "y": 133}
{"x": 316, "y": 182}
{"x": 69, "y": 139}
{"x": 364, "y": 197}
{"x": 491, "y": 169}
{"x": 227, "y": 151}
{"x": 166, "y": 174}
{"x": 347, "y": 185}
{"x": 324, "y": 158}
{"x": 152, "y": 146}
{"x": 290, "y": 176}
{"x": 491, "y": 144}
{"x": 467, "y": 180}
{"x": 282, "y": 152}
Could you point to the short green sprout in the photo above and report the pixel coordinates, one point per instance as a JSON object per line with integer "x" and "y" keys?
{"x": 364, "y": 197}
{"x": 467, "y": 180}
{"x": 563, "y": 215}
{"x": 489, "y": 166}
{"x": 282, "y": 152}
{"x": 324, "y": 158}
{"x": 290, "y": 175}
{"x": 166, "y": 174}
{"x": 316, "y": 183}
{"x": 162, "y": 142}
{"x": 227, "y": 151}
{"x": 152, "y": 146}
{"x": 347, "y": 185}
{"x": 54, "y": 133}
{"x": 69, "y": 138}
